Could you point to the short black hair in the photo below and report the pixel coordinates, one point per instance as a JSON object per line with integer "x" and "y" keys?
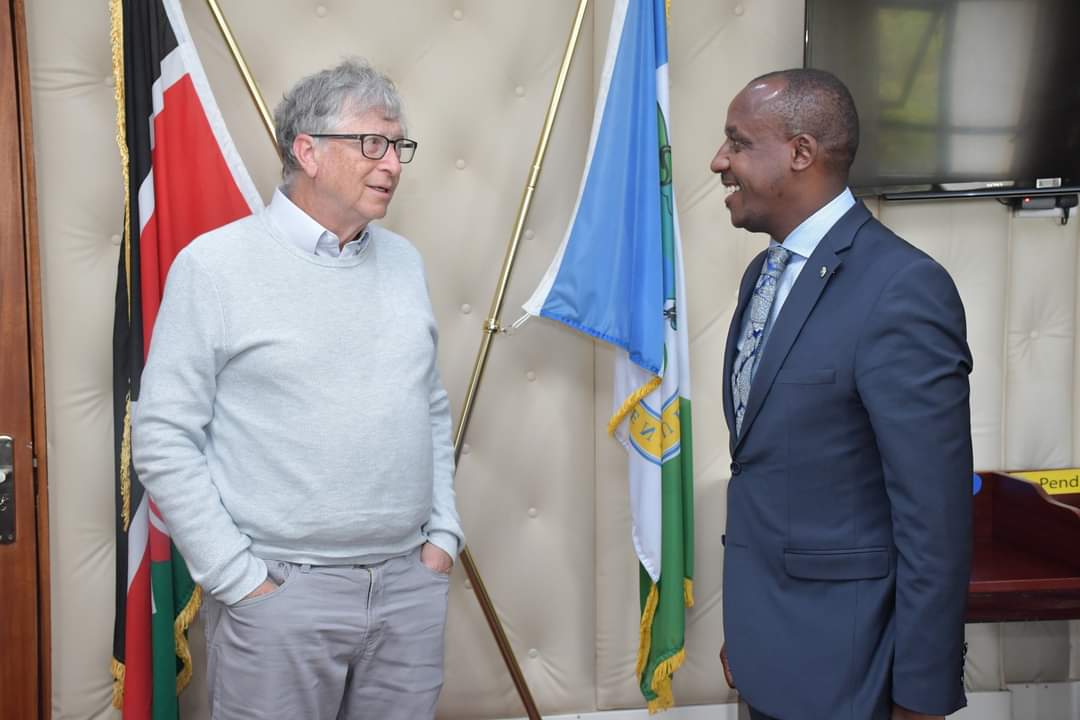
{"x": 817, "y": 103}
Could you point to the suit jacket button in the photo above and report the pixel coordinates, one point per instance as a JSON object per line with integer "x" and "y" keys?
{"x": 736, "y": 468}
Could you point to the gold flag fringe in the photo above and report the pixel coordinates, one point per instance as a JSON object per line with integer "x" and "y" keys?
{"x": 183, "y": 651}
{"x": 661, "y": 677}
{"x": 116, "y": 39}
{"x": 118, "y": 684}
{"x": 125, "y": 465}
{"x": 661, "y": 682}
{"x": 646, "y": 630}
{"x": 180, "y": 628}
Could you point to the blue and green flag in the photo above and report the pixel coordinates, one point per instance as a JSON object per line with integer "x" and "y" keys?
{"x": 618, "y": 276}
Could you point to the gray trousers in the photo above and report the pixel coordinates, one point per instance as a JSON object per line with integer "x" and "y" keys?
{"x": 358, "y": 642}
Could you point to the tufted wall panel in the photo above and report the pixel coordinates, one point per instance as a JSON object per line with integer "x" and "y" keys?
{"x": 541, "y": 488}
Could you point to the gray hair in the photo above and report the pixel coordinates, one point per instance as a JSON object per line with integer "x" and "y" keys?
{"x": 319, "y": 103}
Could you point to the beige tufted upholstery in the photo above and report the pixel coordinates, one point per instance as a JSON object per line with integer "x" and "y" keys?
{"x": 541, "y": 488}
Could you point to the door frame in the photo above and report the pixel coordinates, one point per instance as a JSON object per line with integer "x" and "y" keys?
{"x": 37, "y": 521}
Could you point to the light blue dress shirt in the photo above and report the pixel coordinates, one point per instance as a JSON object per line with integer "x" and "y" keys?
{"x": 801, "y": 242}
{"x": 307, "y": 234}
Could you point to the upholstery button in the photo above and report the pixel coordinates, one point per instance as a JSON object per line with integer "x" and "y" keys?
{"x": 534, "y": 653}
{"x": 1034, "y": 335}
{"x": 739, "y": 9}
{"x": 532, "y": 512}
{"x": 519, "y": 91}
{"x": 320, "y": 10}
{"x": 115, "y": 239}
{"x": 736, "y": 468}
{"x": 466, "y": 309}
{"x": 458, "y": 14}
{"x": 530, "y": 376}
{"x": 460, "y": 164}
{"x": 529, "y": 234}
{"x": 468, "y": 585}
{"x": 110, "y": 81}
{"x": 465, "y": 449}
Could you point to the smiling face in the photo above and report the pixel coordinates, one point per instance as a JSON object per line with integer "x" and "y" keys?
{"x": 356, "y": 189}
{"x": 755, "y": 161}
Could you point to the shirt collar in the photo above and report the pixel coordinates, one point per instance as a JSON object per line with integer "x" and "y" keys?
{"x": 804, "y": 239}
{"x": 306, "y": 233}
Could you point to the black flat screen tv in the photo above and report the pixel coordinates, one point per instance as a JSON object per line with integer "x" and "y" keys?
{"x": 956, "y": 98}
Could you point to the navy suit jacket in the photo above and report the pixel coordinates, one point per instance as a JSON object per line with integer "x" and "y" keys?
{"x": 848, "y": 539}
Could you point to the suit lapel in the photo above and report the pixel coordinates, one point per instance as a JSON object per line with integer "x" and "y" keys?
{"x": 800, "y": 302}
{"x": 746, "y": 289}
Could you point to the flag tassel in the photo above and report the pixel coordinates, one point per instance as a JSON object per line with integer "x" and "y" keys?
{"x": 631, "y": 402}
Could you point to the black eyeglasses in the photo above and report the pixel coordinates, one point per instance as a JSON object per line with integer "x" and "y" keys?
{"x": 374, "y": 146}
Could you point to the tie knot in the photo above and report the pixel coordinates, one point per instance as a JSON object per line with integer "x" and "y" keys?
{"x": 776, "y": 260}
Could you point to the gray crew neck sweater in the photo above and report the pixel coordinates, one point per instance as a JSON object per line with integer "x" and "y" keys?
{"x": 291, "y": 408}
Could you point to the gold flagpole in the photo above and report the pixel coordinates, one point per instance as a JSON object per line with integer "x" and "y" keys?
{"x": 238, "y": 57}
{"x": 491, "y": 326}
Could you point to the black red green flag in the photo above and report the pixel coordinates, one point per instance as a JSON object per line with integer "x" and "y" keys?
{"x": 182, "y": 177}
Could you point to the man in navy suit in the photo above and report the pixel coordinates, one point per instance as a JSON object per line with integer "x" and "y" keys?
{"x": 848, "y": 539}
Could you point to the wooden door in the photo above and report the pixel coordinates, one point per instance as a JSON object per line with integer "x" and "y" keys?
{"x": 24, "y": 637}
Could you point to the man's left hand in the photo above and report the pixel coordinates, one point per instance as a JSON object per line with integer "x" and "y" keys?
{"x": 435, "y": 558}
{"x": 899, "y": 713}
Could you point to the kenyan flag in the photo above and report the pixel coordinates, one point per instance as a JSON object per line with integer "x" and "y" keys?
{"x": 182, "y": 177}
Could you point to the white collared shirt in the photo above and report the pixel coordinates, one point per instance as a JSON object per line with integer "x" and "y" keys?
{"x": 801, "y": 242}
{"x": 307, "y": 234}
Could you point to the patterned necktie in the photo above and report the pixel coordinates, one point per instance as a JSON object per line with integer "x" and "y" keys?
{"x": 760, "y": 304}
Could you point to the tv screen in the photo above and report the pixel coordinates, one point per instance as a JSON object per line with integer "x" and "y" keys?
{"x": 977, "y": 97}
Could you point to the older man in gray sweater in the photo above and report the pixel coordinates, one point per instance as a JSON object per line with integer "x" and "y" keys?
{"x": 295, "y": 435}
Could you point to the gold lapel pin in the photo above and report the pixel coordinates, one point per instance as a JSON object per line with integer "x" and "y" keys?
{"x": 824, "y": 271}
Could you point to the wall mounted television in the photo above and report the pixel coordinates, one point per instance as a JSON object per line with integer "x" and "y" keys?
{"x": 957, "y": 98}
